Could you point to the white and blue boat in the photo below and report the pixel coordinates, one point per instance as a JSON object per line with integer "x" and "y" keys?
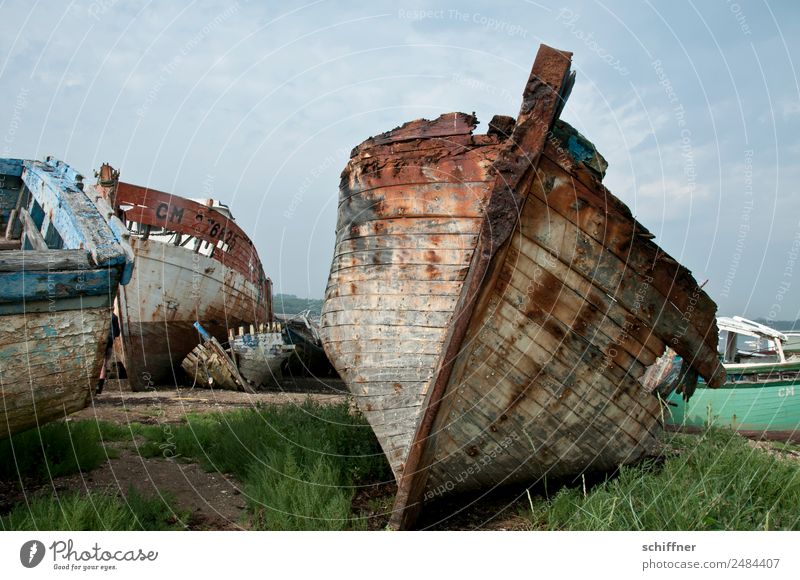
{"x": 63, "y": 255}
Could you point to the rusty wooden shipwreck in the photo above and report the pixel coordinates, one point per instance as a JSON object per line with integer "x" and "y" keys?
{"x": 193, "y": 264}
{"x": 62, "y": 260}
{"x": 492, "y": 306}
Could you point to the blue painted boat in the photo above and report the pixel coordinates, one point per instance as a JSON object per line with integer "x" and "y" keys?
{"x": 63, "y": 256}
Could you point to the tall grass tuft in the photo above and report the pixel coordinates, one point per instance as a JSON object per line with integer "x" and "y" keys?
{"x": 712, "y": 482}
{"x": 53, "y": 450}
{"x": 300, "y": 465}
{"x": 98, "y": 511}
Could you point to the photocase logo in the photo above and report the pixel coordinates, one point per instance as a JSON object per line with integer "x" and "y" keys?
{"x": 31, "y": 553}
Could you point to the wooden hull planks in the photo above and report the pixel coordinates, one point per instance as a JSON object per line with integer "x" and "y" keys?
{"x": 406, "y": 230}
{"x": 550, "y": 302}
{"x": 50, "y": 365}
{"x": 63, "y": 258}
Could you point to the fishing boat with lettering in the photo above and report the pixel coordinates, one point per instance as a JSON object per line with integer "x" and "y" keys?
{"x": 761, "y": 395}
{"x": 62, "y": 258}
{"x": 491, "y": 306}
{"x": 193, "y": 264}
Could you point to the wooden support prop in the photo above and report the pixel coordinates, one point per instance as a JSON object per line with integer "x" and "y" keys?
{"x": 13, "y": 222}
{"x": 31, "y": 232}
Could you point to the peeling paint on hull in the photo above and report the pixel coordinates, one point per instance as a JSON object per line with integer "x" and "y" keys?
{"x": 171, "y": 288}
{"x": 492, "y": 306}
{"x": 63, "y": 258}
{"x": 50, "y": 364}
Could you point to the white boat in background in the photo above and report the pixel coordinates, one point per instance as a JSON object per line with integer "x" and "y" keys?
{"x": 260, "y": 355}
{"x": 193, "y": 264}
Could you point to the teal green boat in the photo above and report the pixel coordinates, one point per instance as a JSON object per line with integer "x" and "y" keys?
{"x": 761, "y": 394}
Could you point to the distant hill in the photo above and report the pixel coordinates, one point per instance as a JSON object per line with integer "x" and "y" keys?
{"x": 291, "y": 304}
{"x": 782, "y": 325}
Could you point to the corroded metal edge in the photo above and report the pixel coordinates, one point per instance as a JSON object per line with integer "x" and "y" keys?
{"x": 515, "y": 167}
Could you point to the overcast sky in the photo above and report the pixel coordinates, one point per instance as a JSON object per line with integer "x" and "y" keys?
{"x": 695, "y": 105}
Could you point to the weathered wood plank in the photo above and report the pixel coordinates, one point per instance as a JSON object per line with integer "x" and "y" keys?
{"x": 419, "y": 272}
{"x": 10, "y": 166}
{"x": 35, "y": 285}
{"x": 378, "y": 345}
{"x": 387, "y": 257}
{"x": 16, "y": 260}
{"x": 31, "y": 232}
{"x": 597, "y": 212}
{"x": 549, "y": 301}
{"x": 522, "y": 340}
{"x": 369, "y": 332}
{"x": 594, "y": 398}
{"x": 393, "y": 287}
{"x": 395, "y": 302}
{"x": 54, "y": 185}
{"x": 534, "y": 260}
{"x": 445, "y": 125}
{"x": 60, "y": 353}
{"x": 412, "y": 226}
{"x": 424, "y": 318}
{"x": 584, "y": 255}
{"x": 407, "y": 241}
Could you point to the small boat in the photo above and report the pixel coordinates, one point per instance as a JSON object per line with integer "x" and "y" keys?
{"x": 761, "y": 395}
{"x": 302, "y": 332}
{"x": 792, "y": 343}
{"x": 193, "y": 264}
{"x": 491, "y": 306}
{"x": 62, "y": 259}
{"x": 260, "y": 355}
{"x": 211, "y": 366}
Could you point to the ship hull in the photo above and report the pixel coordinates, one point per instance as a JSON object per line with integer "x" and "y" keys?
{"x": 171, "y": 288}
{"x": 760, "y": 403}
{"x": 51, "y": 362}
{"x": 62, "y": 260}
{"x": 405, "y": 238}
{"x": 492, "y": 306}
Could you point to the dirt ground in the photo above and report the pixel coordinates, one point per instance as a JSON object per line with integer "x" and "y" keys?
{"x": 118, "y": 405}
{"x": 213, "y": 501}
{"x": 216, "y": 501}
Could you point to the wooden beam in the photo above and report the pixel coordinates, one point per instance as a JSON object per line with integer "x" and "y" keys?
{"x": 54, "y": 260}
{"x": 31, "y": 232}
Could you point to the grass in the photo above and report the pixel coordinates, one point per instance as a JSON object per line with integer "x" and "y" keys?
{"x": 711, "y": 482}
{"x": 54, "y": 450}
{"x": 99, "y": 511}
{"x": 300, "y": 465}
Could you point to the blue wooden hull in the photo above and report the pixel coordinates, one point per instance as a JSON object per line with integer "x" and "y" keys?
{"x": 60, "y": 269}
